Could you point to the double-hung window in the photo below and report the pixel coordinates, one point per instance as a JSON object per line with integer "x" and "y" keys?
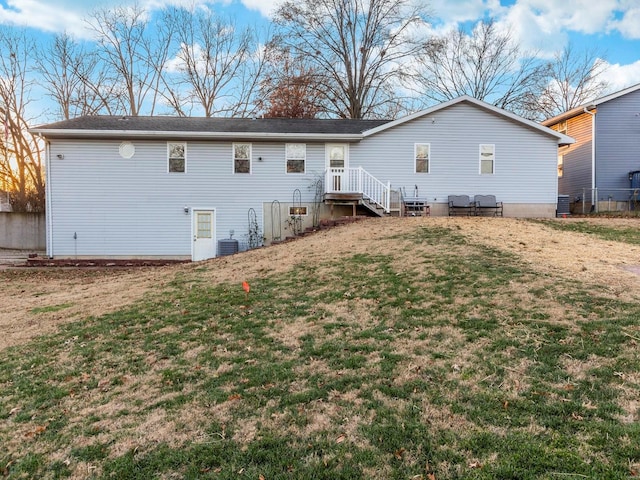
{"x": 487, "y": 159}
{"x": 241, "y": 158}
{"x": 422, "y": 152}
{"x": 177, "y": 157}
{"x": 296, "y": 154}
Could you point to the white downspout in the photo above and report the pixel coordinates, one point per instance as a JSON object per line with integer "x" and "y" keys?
{"x": 593, "y": 157}
{"x": 48, "y": 203}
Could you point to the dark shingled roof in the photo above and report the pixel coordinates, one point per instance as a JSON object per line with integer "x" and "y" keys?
{"x": 220, "y": 125}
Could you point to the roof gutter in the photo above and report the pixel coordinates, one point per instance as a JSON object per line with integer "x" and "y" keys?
{"x": 79, "y": 133}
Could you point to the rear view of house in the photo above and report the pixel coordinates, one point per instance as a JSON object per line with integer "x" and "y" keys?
{"x": 165, "y": 187}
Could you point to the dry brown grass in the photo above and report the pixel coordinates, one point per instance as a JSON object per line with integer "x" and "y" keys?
{"x": 606, "y": 265}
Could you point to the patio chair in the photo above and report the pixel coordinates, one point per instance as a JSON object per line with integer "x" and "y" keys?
{"x": 487, "y": 204}
{"x": 460, "y": 205}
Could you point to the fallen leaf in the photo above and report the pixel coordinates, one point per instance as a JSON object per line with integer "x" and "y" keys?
{"x": 261, "y": 477}
{"x": 234, "y": 397}
{"x": 37, "y": 431}
{"x": 475, "y": 465}
{"x": 431, "y": 476}
{"x": 341, "y": 438}
{"x": 399, "y": 453}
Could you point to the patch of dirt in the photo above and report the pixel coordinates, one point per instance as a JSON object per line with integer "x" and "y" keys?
{"x": 35, "y": 301}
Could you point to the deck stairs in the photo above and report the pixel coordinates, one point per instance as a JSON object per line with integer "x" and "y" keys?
{"x": 358, "y": 188}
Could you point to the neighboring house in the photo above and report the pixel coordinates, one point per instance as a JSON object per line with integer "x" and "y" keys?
{"x": 599, "y": 165}
{"x": 177, "y": 187}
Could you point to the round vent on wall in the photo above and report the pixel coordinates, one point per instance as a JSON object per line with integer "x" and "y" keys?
{"x": 127, "y": 149}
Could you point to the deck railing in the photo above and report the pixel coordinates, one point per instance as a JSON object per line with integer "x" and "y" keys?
{"x": 358, "y": 180}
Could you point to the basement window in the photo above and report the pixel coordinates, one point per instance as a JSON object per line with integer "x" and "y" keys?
{"x": 297, "y": 211}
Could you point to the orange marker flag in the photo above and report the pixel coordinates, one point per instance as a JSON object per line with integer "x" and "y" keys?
{"x": 246, "y": 288}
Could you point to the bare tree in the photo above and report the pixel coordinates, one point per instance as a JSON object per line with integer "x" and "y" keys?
{"x": 290, "y": 87}
{"x": 134, "y": 55}
{"x": 574, "y": 78}
{"x": 214, "y": 65}
{"x": 487, "y": 65}
{"x": 20, "y": 163}
{"x": 73, "y": 78}
{"x": 356, "y": 47}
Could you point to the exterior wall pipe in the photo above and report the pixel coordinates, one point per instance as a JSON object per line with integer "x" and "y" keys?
{"x": 47, "y": 203}
{"x": 593, "y": 156}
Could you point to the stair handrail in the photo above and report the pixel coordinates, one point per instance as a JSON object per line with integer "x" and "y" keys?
{"x": 373, "y": 189}
{"x": 360, "y": 181}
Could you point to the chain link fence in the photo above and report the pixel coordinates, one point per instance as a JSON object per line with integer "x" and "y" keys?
{"x": 603, "y": 200}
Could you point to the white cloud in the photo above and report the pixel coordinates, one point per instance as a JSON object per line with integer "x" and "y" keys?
{"x": 265, "y": 7}
{"x": 622, "y": 76}
{"x": 545, "y": 25}
{"x": 44, "y": 15}
{"x": 458, "y": 11}
{"x": 629, "y": 25}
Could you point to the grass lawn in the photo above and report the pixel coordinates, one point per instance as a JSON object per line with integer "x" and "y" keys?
{"x": 440, "y": 358}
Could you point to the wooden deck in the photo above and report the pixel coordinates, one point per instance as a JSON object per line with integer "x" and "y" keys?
{"x": 341, "y": 198}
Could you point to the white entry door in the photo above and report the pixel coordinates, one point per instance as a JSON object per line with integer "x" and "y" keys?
{"x": 204, "y": 239}
{"x": 337, "y": 165}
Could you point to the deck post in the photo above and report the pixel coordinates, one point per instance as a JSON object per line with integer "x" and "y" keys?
{"x": 387, "y": 202}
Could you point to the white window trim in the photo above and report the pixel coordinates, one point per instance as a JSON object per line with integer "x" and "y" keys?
{"x": 493, "y": 170}
{"x": 415, "y": 158}
{"x": 291, "y": 214}
{"x": 286, "y": 159}
{"x": 560, "y": 165}
{"x": 563, "y": 127}
{"x": 169, "y": 155}
{"x": 233, "y": 158}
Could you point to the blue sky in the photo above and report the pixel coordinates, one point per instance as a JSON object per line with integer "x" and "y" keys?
{"x": 610, "y": 26}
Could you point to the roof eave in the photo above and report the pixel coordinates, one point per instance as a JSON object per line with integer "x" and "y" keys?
{"x": 81, "y": 133}
{"x": 478, "y": 103}
{"x": 574, "y": 112}
{"x": 565, "y": 140}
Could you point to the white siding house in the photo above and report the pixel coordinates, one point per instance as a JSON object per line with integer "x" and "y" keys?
{"x": 162, "y": 187}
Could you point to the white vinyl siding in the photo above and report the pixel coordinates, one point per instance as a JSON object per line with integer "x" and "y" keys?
{"x": 177, "y": 157}
{"x": 487, "y": 159}
{"x": 145, "y": 216}
{"x": 422, "y": 155}
{"x": 296, "y": 155}
{"x": 241, "y": 158}
{"x": 525, "y": 173}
